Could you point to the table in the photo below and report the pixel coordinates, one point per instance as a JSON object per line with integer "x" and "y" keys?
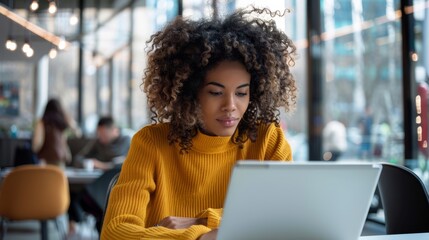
{"x": 75, "y": 176}
{"x": 82, "y": 176}
{"x": 411, "y": 236}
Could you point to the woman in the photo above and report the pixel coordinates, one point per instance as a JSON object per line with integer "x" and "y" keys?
{"x": 50, "y": 135}
{"x": 214, "y": 88}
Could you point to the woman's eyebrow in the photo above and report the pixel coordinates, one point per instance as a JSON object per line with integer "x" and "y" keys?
{"x": 243, "y": 85}
{"x": 216, "y": 84}
{"x": 222, "y": 86}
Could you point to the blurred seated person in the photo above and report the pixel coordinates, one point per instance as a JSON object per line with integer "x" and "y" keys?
{"x": 108, "y": 150}
{"x": 107, "y": 153}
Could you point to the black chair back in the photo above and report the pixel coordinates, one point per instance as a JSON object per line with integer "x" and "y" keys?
{"x": 109, "y": 189}
{"x": 405, "y": 200}
{"x": 95, "y": 194}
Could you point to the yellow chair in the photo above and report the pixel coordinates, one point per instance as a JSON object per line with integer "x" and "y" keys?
{"x": 33, "y": 192}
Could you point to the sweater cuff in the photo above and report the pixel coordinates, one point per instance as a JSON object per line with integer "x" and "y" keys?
{"x": 214, "y": 216}
{"x": 194, "y": 232}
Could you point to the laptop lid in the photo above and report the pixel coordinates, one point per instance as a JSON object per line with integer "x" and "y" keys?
{"x": 280, "y": 200}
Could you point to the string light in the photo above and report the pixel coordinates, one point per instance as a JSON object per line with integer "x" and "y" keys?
{"x": 73, "y": 20}
{"x": 59, "y": 43}
{"x": 11, "y": 44}
{"x": 34, "y": 29}
{"x": 34, "y": 5}
{"x": 62, "y": 43}
{"x": 26, "y": 46}
{"x": 29, "y": 52}
{"x": 53, "y": 53}
{"x": 52, "y": 7}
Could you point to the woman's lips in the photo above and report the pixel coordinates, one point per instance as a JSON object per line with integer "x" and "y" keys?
{"x": 228, "y": 122}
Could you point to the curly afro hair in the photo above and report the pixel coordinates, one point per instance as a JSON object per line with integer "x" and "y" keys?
{"x": 181, "y": 54}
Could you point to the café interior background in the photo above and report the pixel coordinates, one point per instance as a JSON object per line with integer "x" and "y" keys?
{"x": 355, "y": 57}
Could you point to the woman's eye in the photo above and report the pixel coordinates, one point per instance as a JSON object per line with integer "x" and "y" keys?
{"x": 241, "y": 94}
{"x": 215, "y": 93}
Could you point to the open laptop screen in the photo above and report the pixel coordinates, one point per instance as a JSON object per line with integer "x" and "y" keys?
{"x": 279, "y": 200}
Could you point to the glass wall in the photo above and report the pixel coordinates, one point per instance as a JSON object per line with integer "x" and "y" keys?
{"x": 114, "y": 58}
{"x": 362, "y": 88}
{"x": 362, "y": 69}
{"x": 293, "y": 24}
{"x": 62, "y": 76}
{"x": 420, "y": 66}
{"x": 16, "y": 98}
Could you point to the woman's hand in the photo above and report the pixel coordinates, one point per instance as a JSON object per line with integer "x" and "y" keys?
{"x": 181, "y": 222}
{"x": 212, "y": 235}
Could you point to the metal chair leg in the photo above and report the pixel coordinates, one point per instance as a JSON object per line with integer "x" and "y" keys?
{"x": 44, "y": 229}
{"x": 3, "y": 228}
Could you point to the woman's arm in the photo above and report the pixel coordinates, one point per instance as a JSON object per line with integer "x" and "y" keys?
{"x": 127, "y": 212}
{"x": 38, "y": 136}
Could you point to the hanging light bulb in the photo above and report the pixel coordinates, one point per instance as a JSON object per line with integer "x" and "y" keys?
{"x": 11, "y": 44}
{"x": 29, "y": 52}
{"x": 73, "y": 20}
{"x": 52, "y": 7}
{"x": 7, "y": 44}
{"x": 26, "y": 46}
{"x": 34, "y": 5}
{"x": 53, "y": 53}
{"x": 62, "y": 43}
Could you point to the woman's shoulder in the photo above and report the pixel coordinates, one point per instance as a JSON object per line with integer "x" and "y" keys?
{"x": 154, "y": 130}
{"x": 269, "y": 128}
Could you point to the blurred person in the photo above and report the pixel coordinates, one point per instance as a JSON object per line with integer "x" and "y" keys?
{"x": 50, "y": 135}
{"x": 382, "y": 135}
{"x": 214, "y": 88}
{"x": 334, "y": 140}
{"x": 365, "y": 125}
{"x": 107, "y": 152}
{"x": 109, "y": 148}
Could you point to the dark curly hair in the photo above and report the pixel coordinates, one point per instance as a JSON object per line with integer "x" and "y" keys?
{"x": 181, "y": 54}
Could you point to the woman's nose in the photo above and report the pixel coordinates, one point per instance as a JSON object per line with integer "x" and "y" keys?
{"x": 229, "y": 104}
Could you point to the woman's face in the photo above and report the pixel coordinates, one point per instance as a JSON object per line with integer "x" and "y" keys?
{"x": 224, "y": 98}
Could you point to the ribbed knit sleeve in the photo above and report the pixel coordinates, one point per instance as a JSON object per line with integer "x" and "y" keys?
{"x": 277, "y": 146}
{"x": 157, "y": 181}
{"x": 126, "y": 216}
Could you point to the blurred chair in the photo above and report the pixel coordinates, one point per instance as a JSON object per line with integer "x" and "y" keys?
{"x": 34, "y": 192}
{"x": 94, "y": 195}
{"x": 405, "y": 200}
{"x": 112, "y": 183}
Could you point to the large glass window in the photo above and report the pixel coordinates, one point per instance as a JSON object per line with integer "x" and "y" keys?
{"x": 293, "y": 24}
{"x": 16, "y": 98}
{"x": 420, "y": 12}
{"x": 363, "y": 78}
{"x": 142, "y": 29}
{"x": 361, "y": 61}
{"x": 62, "y": 82}
{"x": 120, "y": 87}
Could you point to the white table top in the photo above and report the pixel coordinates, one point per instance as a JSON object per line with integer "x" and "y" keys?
{"x": 411, "y": 236}
{"x": 82, "y": 176}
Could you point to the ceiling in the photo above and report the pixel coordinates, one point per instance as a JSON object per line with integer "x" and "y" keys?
{"x": 40, "y": 45}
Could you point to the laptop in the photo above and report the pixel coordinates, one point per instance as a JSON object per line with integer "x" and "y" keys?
{"x": 305, "y": 201}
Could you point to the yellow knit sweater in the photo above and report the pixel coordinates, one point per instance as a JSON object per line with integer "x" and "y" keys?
{"x": 157, "y": 181}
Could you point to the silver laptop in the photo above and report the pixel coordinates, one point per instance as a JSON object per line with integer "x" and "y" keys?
{"x": 305, "y": 201}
